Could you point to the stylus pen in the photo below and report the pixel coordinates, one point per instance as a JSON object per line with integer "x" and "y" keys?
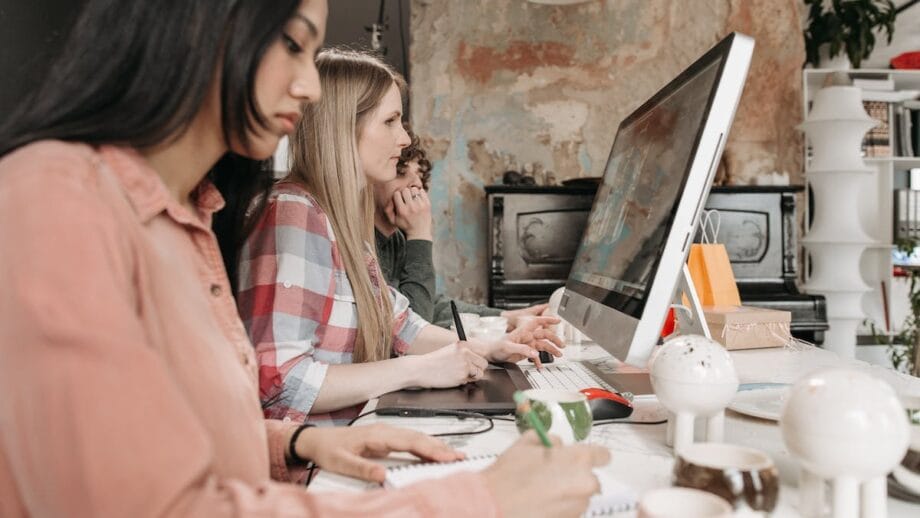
{"x": 457, "y": 323}
{"x": 523, "y": 407}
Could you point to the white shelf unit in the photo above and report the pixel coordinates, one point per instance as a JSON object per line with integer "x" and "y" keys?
{"x": 876, "y": 207}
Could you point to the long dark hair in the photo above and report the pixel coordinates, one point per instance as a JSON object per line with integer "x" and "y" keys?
{"x": 136, "y": 73}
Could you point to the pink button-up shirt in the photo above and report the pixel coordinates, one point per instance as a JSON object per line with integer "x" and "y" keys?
{"x": 127, "y": 383}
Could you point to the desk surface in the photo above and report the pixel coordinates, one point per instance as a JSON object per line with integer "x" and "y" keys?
{"x": 640, "y": 456}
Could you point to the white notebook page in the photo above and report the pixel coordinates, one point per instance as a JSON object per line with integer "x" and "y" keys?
{"x": 614, "y": 497}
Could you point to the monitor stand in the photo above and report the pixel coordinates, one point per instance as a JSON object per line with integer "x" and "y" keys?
{"x": 690, "y": 318}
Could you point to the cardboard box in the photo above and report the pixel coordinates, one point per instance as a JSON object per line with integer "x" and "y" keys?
{"x": 746, "y": 327}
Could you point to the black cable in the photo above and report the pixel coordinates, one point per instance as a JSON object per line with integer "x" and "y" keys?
{"x": 488, "y": 428}
{"x": 599, "y": 422}
{"x": 438, "y": 413}
{"x": 620, "y": 421}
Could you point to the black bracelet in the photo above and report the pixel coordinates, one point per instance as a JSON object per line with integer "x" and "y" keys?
{"x": 292, "y": 451}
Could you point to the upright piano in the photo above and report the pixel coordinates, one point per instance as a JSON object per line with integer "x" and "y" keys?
{"x": 534, "y": 232}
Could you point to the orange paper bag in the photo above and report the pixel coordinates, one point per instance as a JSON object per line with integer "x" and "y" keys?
{"x": 712, "y": 275}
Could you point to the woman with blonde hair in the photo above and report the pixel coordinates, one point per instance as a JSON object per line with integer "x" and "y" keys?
{"x": 329, "y": 333}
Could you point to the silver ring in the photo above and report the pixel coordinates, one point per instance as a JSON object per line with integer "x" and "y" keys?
{"x": 414, "y": 196}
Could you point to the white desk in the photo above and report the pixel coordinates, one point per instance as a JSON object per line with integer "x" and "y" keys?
{"x": 640, "y": 456}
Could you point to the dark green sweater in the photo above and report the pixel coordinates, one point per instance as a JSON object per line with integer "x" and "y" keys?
{"x": 408, "y": 267}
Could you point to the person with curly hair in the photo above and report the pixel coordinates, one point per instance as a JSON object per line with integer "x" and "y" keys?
{"x": 403, "y": 233}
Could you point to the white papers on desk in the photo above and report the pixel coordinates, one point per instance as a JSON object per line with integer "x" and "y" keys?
{"x": 638, "y": 454}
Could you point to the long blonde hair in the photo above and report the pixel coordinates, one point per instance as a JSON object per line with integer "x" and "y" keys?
{"x": 324, "y": 159}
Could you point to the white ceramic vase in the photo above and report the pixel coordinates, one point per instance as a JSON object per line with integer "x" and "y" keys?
{"x": 693, "y": 377}
{"x": 849, "y": 428}
{"x": 837, "y": 238}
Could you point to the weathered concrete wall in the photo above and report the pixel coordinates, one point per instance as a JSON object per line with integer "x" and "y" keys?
{"x": 508, "y": 84}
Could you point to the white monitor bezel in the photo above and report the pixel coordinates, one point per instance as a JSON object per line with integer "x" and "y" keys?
{"x": 632, "y": 339}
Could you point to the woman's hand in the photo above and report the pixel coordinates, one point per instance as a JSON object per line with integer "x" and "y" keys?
{"x": 346, "y": 450}
{"x": 412, "y": 213}
{"x": 536, "y": 333}
{"x": 450, "y": 366}
{"x": 503, "y": 350}
{"x": 524, "y": 342}
{"x": 517, "y": 317}
{"x": 532, "y": 480}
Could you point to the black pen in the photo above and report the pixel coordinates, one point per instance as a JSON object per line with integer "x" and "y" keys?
{"x": 457, "y": 322}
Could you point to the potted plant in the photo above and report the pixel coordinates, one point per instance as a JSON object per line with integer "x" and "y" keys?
{"x": 904, "y": 347}
{"x": 848, "y": 26}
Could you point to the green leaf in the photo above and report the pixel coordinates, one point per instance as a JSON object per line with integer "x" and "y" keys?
{"x": 847, "y": 25}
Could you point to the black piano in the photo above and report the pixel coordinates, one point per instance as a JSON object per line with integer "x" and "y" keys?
{"x": 534, "y": 233}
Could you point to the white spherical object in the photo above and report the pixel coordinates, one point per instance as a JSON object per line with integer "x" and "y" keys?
{"x": 691, "y": 373}
{"x": 844, "y": 423}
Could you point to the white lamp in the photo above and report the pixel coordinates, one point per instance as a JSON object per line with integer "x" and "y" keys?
{"x": 837, "y": 239}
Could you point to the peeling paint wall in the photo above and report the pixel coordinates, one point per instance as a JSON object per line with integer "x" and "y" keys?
{"x": 508, "y": 84}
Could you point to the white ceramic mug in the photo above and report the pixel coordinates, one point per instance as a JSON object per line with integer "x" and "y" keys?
{"x": 486, "y": 334}
{"x": 682, "y": 502}
{"x": 470, "y": 321}
{"x": 563, "y": 413}
{"x": 494, "y": 323}
{"x": 744, "y": 477}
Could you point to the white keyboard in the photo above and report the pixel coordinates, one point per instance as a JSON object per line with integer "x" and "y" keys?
{"x": 563, "y": 375}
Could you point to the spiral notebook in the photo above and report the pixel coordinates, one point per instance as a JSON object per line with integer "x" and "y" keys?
{"x": 614, "y": 497}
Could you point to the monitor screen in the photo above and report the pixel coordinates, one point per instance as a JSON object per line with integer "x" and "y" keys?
{"x": 635, "y": 205}
{"x": 632, "y": 255}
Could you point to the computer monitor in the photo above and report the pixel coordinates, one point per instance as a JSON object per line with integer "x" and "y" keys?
{"x": 645, "y": 213}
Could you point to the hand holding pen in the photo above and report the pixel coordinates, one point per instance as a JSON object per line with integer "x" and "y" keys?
{"x": 530, "y": 479}
{"x": 526, "y": 412}
{"x": 524, "y": 342}
{"x": 458, "y": 324}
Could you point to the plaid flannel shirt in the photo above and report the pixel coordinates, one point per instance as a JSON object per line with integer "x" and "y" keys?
{"x": 298, "y": 306}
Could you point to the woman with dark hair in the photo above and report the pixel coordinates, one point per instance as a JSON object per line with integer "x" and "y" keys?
{"x": 129, "y": 386}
